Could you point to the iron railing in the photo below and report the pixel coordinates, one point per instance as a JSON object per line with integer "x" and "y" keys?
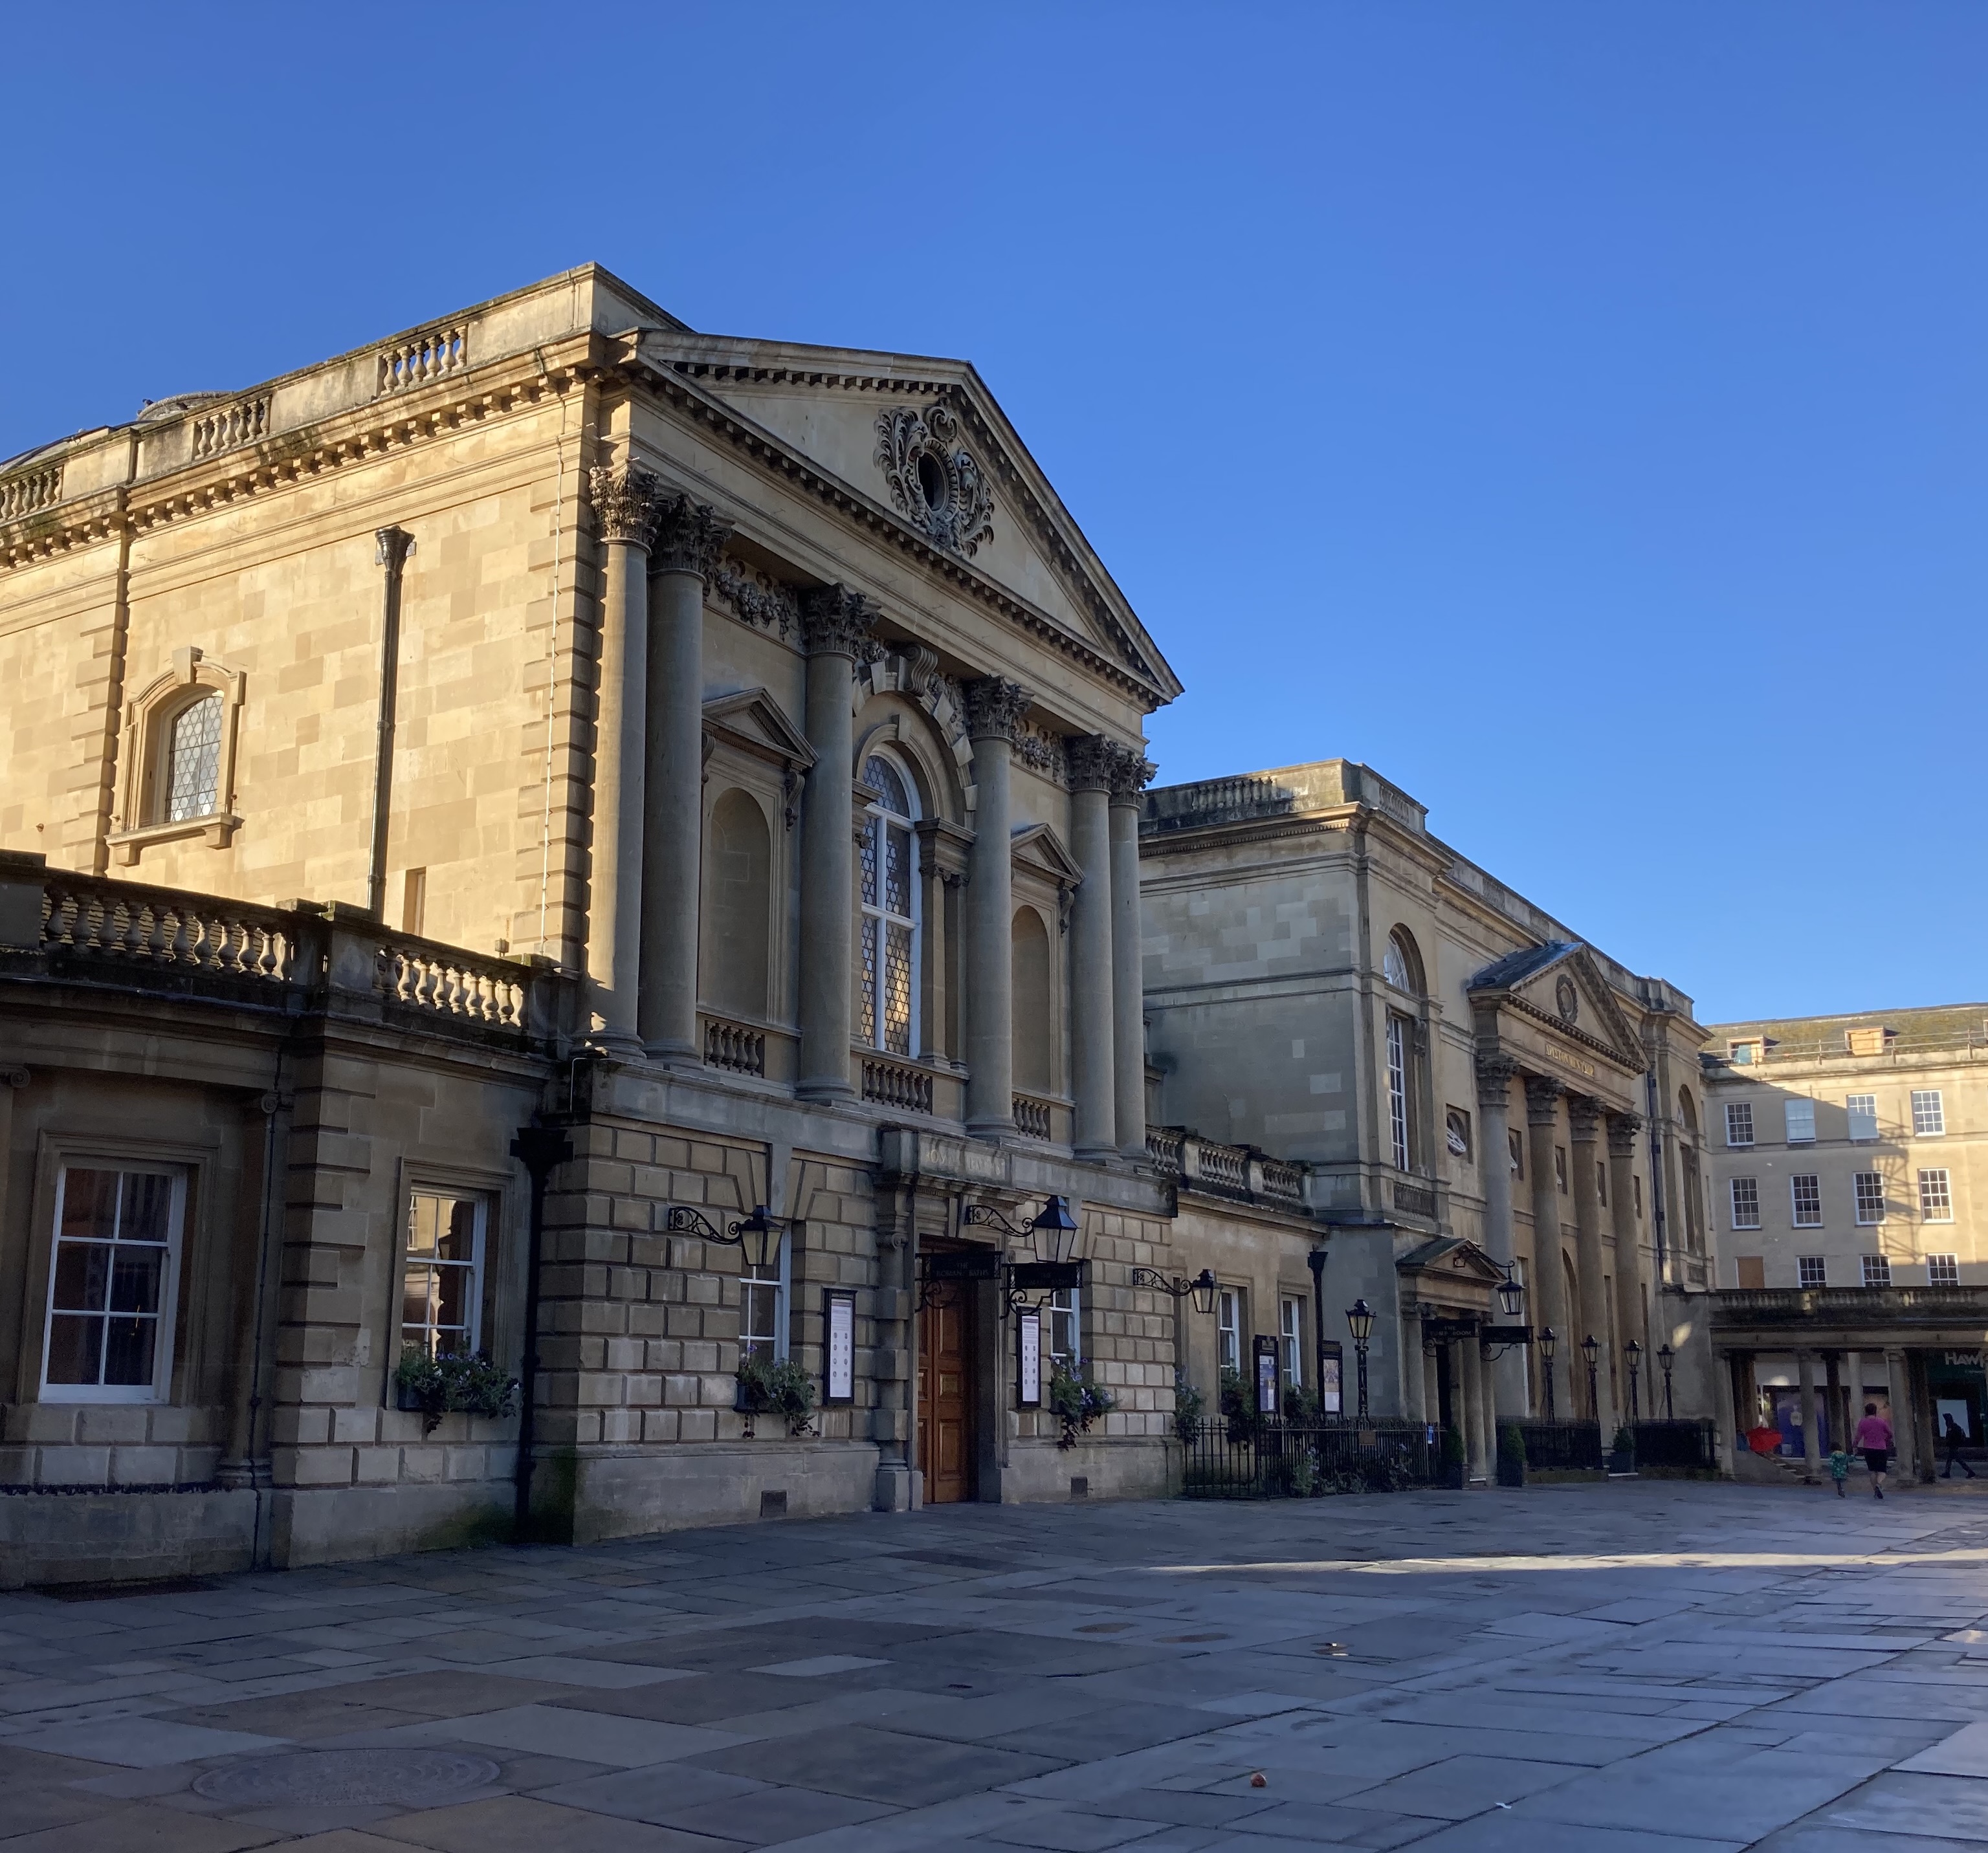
{"x": 1563, "y": 1447}
{"x": 1243, "y": 1457}
{"x": 1690, "y": 1447}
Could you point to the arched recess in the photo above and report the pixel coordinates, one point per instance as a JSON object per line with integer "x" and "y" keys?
{"x": 1401, "y": 964}
{"x": 1034, "y": 1027}
{"x": 178, "y": 761}
{"x": 738, "y": 908}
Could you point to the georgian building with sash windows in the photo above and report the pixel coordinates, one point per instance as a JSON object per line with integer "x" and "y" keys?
{"x": 1469, "y": 1089}
{"x": 711, "y": 767}
{"x": 1848, "y": 1166}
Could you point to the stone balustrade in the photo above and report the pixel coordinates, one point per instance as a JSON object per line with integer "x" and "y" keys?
{"x": 1240, "y": 1172}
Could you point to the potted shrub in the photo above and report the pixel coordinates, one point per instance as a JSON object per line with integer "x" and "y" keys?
{"x": 452, "y": 1383}
{"x": 1455, "y": 1460}
{"x": 1188, "y": 1403}
{"x": 768, "y": 1386}
{"x": 1622, "y": 1451}
{"x": 1511, "y": 1455}
{"x": 1077, "y": 1402}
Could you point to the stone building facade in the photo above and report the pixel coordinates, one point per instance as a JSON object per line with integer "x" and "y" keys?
{"x": 1470, "y": 1089}
{"x": 757, "y": 712}
{"x": 1847, "y": 1167}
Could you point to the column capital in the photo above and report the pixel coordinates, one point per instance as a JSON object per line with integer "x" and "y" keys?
{"x": 995, "y": 707}
{"x": 835, "y": 622}
{"x": 1495, "y": 1076}
{"x": 1542, "y": 1095}
{"x": 1131, "y": 772}
{"x": 688, "y": 537}
{"x": 1092, "y": 758}
{"x": 1583, "y": 1117}
{"x": 626, "y": 504}
{"x": 391, "y": 547}
{"x": 1622, "y": 1130}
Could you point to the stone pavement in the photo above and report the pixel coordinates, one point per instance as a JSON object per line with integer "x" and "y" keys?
{"x": 1644, "y": 1667}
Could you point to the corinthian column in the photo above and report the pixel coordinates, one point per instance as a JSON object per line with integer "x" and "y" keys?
{"x": 994, "y": 710}
{"x": 1092, "y": 1001}
{"x": 624, "y": 512}
{"x": 1584, "y": 1122}
{"x": 1622, "y": 1130}
{"x": 1542, "y": 1122}
{"x": 1494, "y": 1074}
{"x": 835, "y": 629}
{"x": 1130, "y": 773}
{"x": 687, "y": 538}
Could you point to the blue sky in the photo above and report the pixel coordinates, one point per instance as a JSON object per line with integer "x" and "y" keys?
{"x": 1580, "y": 413}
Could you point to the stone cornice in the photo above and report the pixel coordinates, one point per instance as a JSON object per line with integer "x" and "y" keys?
{"x": 386, "y": 426}
{"x": 676, "y": 384}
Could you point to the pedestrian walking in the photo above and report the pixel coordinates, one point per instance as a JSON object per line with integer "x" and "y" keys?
{"x": 1873, "y": 1440}
{"x": 1955, "y": 1436}
{"x": 1839, "y": 1467}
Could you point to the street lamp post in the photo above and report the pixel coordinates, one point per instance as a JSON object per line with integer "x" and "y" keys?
{"x": 1590, "y": 1349}
{"x": 1633, "y": 1353}
{"x": 1548, "y": 1344}
{"x": 1360, "y": 1322}
{"x": 1666, "y": 1357}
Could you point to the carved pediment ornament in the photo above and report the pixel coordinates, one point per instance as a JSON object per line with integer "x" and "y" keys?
{"x": 995, "y": 707}
{"x": 626, "y": 504}
{"x": 935, "y": 483}
{"x": 756, "y": 598}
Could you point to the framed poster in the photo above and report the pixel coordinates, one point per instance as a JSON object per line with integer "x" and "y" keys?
{"x": 1331, "y": 1397}
{"x": 838, "y": 1310}
{"x": 1028, "y": 1358}
{"x": 1265, "y": 1348}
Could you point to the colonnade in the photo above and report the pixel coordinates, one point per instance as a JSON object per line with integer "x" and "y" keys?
{"x": 648, "y": 828}
{"x": 1551, "y": 1105}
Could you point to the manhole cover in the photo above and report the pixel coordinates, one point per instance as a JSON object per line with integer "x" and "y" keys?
{"x": 412, "y": 1779}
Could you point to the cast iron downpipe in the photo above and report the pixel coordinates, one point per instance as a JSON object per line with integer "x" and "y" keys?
{"x": 538, "y": 1149}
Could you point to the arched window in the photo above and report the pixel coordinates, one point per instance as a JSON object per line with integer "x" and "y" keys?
{"x": 890, "y": 912}
{"x": 1401, "y": 964}
{"x": 738, "y": 876}
{"x": 1687, "y": 1110}
{"x": 1034, "y": 1071}
{"x": 192, "y": 761}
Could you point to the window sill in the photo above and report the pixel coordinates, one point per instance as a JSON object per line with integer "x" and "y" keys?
{"x": 218, "y": 827}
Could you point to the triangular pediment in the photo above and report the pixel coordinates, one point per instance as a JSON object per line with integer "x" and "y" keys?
{"x": 1038, "y": 846}
{"x": 753, "y": 721}
{"x": 1559, "y": 987}
{"x": 1455, "y": 1255}
{"x": 924, "y": 441}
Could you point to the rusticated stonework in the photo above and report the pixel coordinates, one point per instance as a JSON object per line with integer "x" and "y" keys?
{"x": 934, "y": 482}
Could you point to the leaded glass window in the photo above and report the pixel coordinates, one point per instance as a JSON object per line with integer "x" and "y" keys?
{"x": 192, "y": 761}
{"x": 890, "y": 948}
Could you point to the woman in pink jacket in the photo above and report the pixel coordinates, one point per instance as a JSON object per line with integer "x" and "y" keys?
{"x": 1874, "y": 1442}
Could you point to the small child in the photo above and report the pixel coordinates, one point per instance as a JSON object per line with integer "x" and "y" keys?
{"x": 1839, "y": 1469}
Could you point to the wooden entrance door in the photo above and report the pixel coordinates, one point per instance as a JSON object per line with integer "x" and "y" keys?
{"x": 945, "y": 1396}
